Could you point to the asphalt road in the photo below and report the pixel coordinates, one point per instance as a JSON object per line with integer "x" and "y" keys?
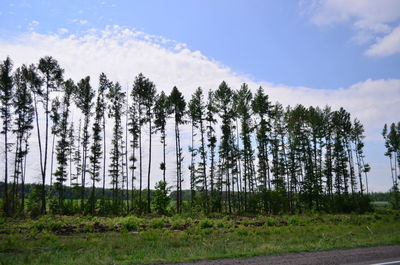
{"x": 382, "y": 255}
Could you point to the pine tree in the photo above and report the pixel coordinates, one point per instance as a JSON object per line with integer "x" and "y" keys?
{"x": 192, "y": 114}
{"x": 24, "y": 113}
{"x": 243, "y": 99}
{"x": 279, "y": 156}
{"x": 77, "y": 157}
{"x": 134, "y": 129}
{"x": 71, "y": 151}
{"x": 104, "y": 86}
{"x": 35, "y": 85}
{"x": 392, "y": 144}
{"x": 117, "y": 99}
{"x": 223, "y": 96}
{"x": 83, "y": 99}
{"x": 211, "y": 110}
{"x": 177, "y": 107}
{"x": 63, "y": 145}
{"x": 160, "y": 123}
{"x": 316, "y": 123}
{"x": 52, "y": 77}
{"x": 340, "y": 160}
{"x": 357, "y": 137}
{"x": 389, "y": 151}
{"x": 328, "y": 163}
{"x": 138, "y": 96}
{"x": 197, "y": 111}
{"x": 262, "y": 109}
{"x": 144, "y": 91}
{"x": 96, "y": 149}
{"x": 6, "y": 96}
{"x": 148, "y": 97}
{"x": 55, "y": 117}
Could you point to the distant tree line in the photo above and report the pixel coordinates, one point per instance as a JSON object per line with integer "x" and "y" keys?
{"x": 247, "y": 154}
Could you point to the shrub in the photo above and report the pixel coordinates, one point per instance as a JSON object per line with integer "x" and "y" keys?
{"x": 178, "y": 223}
{"x": 272, "y": 222}
{"x": 131, "y": 223}
{"x": 206, "y": 223}
{"x": 293, "y": 220}
{"x": 242, "y": 231}
{"x": 158, "y": 223}
{"x": 161, "y": 198}
{"x": 55, "y": 226}
{"x": 34, "y": 203}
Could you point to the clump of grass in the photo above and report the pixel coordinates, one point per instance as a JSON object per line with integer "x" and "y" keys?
{"x": 158, "y": 222}
{"x": 206, "y": 223}
{"x": 272, "y": 222}
{"x": 131, "y": 223}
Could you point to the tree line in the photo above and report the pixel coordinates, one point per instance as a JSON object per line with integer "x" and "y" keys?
{"x": 247, "y": 154}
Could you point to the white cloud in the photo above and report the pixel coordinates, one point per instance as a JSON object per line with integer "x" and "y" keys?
{"x": 122, "y": 53}
{"x": 32, "y": 25}
{"x": 63, "y": 31}
{"x": 80, "y": 21}
{"x": 371, "y": 20}
{"x": 388, "y": 45}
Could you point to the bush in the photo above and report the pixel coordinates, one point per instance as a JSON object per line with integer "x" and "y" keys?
{"x": 206, "y": 223}
{"x": 272, "y": 222}
{"x": 178, "y": 223}
{"x": 33, "y": 205}
{"x": 161, "y": 198}
{"x": 131, "y": 223}
{"x": 55, "y": 226}
{"x": 158, "y": 223}
{"x": 293, "y": 220}
{"x": 242, "y": 231}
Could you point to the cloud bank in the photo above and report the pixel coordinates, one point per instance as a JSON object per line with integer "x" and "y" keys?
{"x": 376, "y": 22}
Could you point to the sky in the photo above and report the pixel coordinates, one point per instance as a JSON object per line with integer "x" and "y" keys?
{"x": 315, "y": 52}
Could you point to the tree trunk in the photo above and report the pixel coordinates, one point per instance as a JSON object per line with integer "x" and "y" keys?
{"x": 140, "y": 167}
{"x": 23, "y": 181}
{"x": 203, "y": 156}
{"x": 43, "y": 194}
{"x": 6, "y": 201}
{"x": 148, "y": 171}
{"x": 104, "y": 157}
{"x": 192, "y": 172}
{"x": 45, "y": 151}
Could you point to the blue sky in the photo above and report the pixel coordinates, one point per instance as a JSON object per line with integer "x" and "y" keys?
{"x": 267, "y": 40}
{"x": 314, "y": 52}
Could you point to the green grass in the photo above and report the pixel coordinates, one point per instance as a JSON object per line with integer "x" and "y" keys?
{"x": 381, "y": 203}
{"x": 132, "y": 240}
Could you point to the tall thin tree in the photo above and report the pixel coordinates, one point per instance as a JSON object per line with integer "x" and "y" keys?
{"x": 52, "y": 75}
{"x": 6, "y": 95}
{"x": 177, "y": 107}
{"x": 160, "y": 123}
{"x": 24, "y": 112}
{"x": 83, "y": 99}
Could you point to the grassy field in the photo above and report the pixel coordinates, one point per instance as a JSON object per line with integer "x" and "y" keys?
{"x": 381, "y": 203}
{"x": 132, "y": 240}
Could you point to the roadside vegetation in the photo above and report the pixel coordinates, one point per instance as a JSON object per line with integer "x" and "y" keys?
{"x": 134, "y": 240}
